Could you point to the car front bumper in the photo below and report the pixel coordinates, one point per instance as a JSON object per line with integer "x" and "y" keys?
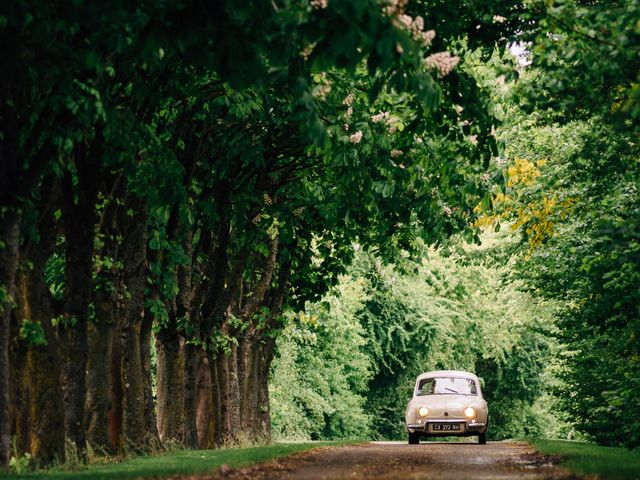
{"x": 469, "y": 427}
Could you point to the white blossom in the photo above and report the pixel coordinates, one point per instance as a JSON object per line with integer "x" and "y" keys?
{"x": 380, "y": 117}
{"x": 356, "y": 137}
{"x": 499, "y": 19}
{"x": 319, "y": 4}
{"x": 473, "y": 139}
{"x": 444, "y": 62}
{"x": 395, "y": 153}
{"x": 321, "y": 91}
{"x": 348, "y": 100}
{"x": 406, "y": 20}
{"x": 418, "y": 23}
{"x": 447, "y": 210}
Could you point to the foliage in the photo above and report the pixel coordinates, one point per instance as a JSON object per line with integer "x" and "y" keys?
{"x": 32, "y": 333}
{"x": 455, "y": 311}
{"x": 588, "y": 52}
{"x": 319, "y": 386}
{"x": 583, "y": 253}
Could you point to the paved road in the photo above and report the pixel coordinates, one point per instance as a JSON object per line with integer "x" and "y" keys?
{"x": 395, "y": 460}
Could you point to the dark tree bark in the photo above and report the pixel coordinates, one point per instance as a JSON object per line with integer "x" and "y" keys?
{"x": 257, "y": 349}
{"x": 135, "y": 277}
{"x": 191, "y": 347}
{"x": 216, "y": 400}
{"x": 97, "y": 400}
{"x": 79, "y": 222}
{"x": 114, "y": 414}
{"x": 204, "y": 399}
{"x": 189, "y": 388}
{"x": 101, "y": 331}
{"x": 169, "y": 382}
{"x": 9, "y": 238}
{"x": 228, "y": 431}
{"x": 20, "y": 395}
{"x": 46, "y": 425}
{"x": 36, "y": 305}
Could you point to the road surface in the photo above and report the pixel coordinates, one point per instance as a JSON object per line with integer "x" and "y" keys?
{"x": 395, "y": 460}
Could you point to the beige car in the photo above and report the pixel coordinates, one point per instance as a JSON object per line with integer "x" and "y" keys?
{"x": 446, "y": 403}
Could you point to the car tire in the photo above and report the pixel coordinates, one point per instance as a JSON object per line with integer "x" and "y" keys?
{"x": 482, "y": 438}
{"x": 414, "y": 438}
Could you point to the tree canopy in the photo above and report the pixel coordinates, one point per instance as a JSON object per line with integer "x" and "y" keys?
{"x": 179, "y": 181}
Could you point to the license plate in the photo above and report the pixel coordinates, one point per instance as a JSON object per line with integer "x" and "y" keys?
{"x": 446, "y": 427}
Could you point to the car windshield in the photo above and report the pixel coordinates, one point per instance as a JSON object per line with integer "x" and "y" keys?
{"x": 447, "y": 386}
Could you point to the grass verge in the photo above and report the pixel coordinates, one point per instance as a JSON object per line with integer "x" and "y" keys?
{"x": 184, "y": 462}
{"x": 590, "y": 459}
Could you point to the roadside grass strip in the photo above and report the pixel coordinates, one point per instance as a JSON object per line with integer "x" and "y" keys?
{"x": 182, "y": 462}
{"x": 587, "y": 458}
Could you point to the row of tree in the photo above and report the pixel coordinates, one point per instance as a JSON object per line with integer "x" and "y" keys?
{"x": 173, "y": 175}
{"x": 570, "y": 130}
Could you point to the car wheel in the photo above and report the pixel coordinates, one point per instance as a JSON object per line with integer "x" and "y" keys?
{"x": 414, "y": 438}
{"x": 482, "y": 438}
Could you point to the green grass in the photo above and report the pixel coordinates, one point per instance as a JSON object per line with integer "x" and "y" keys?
{"x": 183, "y": 462}
{"x": 587, "y": 458}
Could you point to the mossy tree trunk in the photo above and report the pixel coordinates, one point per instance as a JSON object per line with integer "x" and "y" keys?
{"x": 170, "y": 369}
{"x": 78, "y": 213}
{"x": 134, "y": 282}
{"x": 36, "y": 308}
{"x": 9, "y": 238}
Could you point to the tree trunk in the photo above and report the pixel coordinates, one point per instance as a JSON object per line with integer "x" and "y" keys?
{"x": 133, "y": 387}
{"x": 97, "y": 401}
{"x": 135, "y": 278}
{"x": 204, "y": 419}
{"x": 216, "y": 400}
{"x": 169, "y": 383}
{"x": 248, "y": 356}
{"x": 115, "y": 390}
{"x": 79, "y": 221}
{"x": 150, "y": 422}
{"x": 47, "y": 425}
{"x": 35, "y": 305}
{"x": 101, "y": 372}
{"x": 20, "y": 395}
{"x": 191, "y": 356}
{"x": 229, "y": 427}
{"x": 255, "y": 357}
{"x": 9, "y": 238}
{"x": 266, "y": 354}
{"x": 191, "y": 349}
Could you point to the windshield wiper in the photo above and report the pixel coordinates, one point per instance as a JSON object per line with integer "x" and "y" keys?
{"x": 451, "y": 390}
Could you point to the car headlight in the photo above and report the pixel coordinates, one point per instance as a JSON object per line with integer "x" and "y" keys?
{"x": 470, "y": 412}
{"x": 424, "y": 411}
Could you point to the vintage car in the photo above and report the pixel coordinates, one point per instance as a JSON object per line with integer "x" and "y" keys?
{"x": 446, "y": 403}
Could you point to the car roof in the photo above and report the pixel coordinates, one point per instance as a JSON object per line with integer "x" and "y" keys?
{"x": 447, "y": 373}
